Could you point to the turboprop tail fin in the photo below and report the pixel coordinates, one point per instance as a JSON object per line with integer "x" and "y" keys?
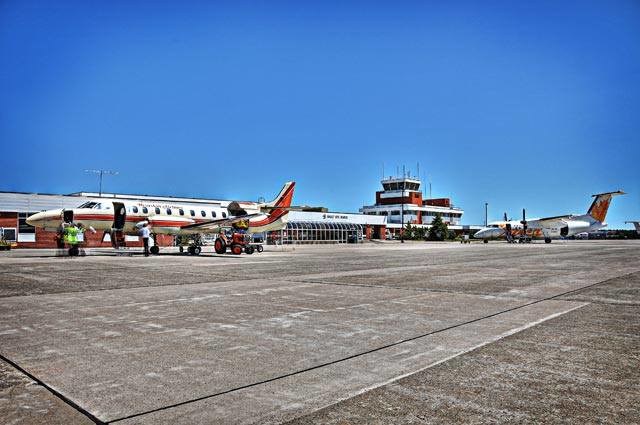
{"x": 600, "y": 206}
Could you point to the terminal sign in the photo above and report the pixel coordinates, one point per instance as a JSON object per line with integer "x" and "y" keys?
{"x": 334, "y": 217}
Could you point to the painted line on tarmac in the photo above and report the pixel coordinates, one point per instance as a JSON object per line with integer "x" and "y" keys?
{"x": 53, "y": 391}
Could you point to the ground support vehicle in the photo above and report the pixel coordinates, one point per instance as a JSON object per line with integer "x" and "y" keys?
{"x": 238, "y": 243}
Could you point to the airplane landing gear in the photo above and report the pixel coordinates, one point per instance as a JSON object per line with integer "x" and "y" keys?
{"x": 547, "y": 240}
{"x": 155, "y": 250}
{"x": 195, "y": 250}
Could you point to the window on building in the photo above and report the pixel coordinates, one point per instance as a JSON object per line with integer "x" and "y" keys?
{"x": 23, "y": 227}
{"x": 8, "y": 233}
{"x": 26, "y": 232}
{"x": 157, "y": 210}
{"x": 134, "y": 209}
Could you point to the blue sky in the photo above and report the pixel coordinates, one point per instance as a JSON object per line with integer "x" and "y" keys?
{"x": 517, "y": 104}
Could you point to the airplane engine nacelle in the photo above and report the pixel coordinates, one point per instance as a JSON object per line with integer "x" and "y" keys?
{"x": 573, "y": 228}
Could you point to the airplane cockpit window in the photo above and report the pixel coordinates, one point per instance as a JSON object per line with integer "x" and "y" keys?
{"x": 89, "y": 204}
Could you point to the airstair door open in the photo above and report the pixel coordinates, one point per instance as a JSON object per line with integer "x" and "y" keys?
{"x": 67, "y": 216}
{"x": 119, "y": 215}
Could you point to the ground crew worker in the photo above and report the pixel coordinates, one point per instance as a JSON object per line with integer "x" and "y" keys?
{"x": 71, "y": 237}
{"x": 144, "y": 233}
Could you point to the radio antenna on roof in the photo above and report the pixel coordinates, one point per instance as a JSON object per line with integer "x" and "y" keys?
{"x": 101, "y": 172}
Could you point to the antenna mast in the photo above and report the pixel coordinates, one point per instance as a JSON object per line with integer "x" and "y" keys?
{"x": 101, "y": 173}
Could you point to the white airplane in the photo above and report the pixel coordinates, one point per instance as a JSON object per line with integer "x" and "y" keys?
{"x": 551, "y": 227}
{"x": 636, "y": 224}
{"x": 128, "y": 216}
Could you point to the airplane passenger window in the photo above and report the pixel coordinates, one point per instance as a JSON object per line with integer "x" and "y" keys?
{"x": 181, "y": 211}
{"x": 135, "y": 209}
{"x": 193, "y": 213}
{"x": 202, "y": 213}
{"x": 145, "y": 210}
{"x": 168, "y": 211}
{"x": 213, "y": 214}
{"x": 224, "y": 214}
{"x": 157, "y": 210}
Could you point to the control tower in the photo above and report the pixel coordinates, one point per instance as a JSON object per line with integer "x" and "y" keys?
{"x": 402, "y": 202}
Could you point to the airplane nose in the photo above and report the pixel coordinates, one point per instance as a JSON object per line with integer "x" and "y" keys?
{"x": 35, "y": 219}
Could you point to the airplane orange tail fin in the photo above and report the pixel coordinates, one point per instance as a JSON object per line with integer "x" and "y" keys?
{"x": 600, "y": 205}
{"x": 284, "y": 198}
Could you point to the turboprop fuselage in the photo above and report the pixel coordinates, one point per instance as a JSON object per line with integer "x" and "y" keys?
{"x": 552, "y": 227}
{"x": 567, "y": 226}
{"x": 171, "y": 218}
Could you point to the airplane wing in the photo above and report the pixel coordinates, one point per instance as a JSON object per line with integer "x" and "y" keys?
{"x": 548, "y": 221}
{"x": 215, "y": 225}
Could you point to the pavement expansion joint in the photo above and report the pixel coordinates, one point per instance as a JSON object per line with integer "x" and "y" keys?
{"x": 384, "y": 347}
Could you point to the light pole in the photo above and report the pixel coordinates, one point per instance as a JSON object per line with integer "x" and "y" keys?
{"x": 402, "y": 216}
{"x": 100, "y": 173}
{"x": 486, "y": 210}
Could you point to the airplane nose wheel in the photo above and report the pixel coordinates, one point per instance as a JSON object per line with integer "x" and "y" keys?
{"x": 155, "y": 250}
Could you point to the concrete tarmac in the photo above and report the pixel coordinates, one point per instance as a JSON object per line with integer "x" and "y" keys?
{"x": 375, "y": 333}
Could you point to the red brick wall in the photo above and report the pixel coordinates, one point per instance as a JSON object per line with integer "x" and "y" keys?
{"x": 47, "y": 239}
{"x": 9, "y": 219}
{"x": 438, "y": 202}
{"x": 414, "y": 198}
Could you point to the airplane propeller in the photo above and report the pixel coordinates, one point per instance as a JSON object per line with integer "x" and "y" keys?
{"x": 507, "y": 228}
{"x": 524, "y": 221}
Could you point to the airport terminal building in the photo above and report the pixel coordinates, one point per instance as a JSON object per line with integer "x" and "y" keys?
{"x": 302, "y": 226}
{"x": 399, "y": 203}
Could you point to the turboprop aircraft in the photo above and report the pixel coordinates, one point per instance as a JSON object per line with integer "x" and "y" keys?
{"x": 551, "y": 227}
{"x": 127, "y": 216}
